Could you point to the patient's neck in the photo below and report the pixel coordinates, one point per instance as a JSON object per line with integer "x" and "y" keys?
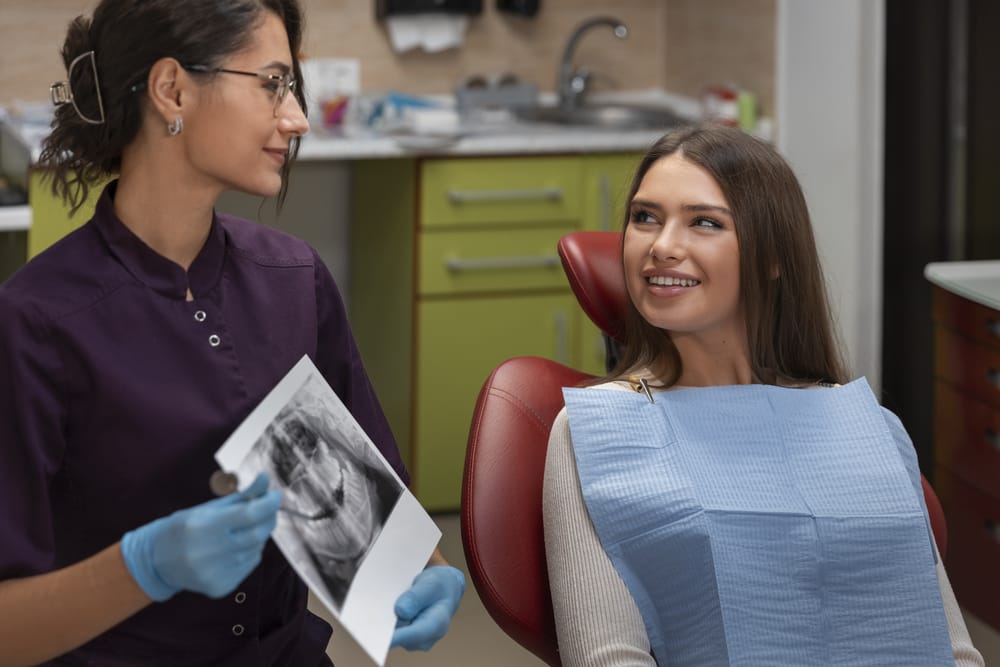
{"x": 712, "y": 362}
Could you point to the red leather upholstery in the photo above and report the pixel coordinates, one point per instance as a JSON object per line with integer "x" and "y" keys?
{"x": 592, "y": 261}
{"x": 502, "y": 497}
{"x": 938, "y": 524}
{"x": 504, "y": 465}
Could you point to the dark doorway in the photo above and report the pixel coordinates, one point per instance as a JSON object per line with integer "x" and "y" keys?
{"x": 942, "y": 180}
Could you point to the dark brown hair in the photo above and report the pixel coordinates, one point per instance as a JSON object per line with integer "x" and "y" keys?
{"x": 128, "y": 37}
{"x": 790, "y": 330}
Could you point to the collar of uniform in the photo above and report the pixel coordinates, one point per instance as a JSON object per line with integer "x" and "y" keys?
{"x": 149, "y": 267}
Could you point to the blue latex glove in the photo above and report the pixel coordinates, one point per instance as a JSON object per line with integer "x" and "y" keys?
{"x": 425, "y": 610}
{"x": 209, "y": 548}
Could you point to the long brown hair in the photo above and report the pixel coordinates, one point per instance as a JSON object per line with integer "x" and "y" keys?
{"x": 789, "y": 326}
{"x": 127, "y": 38}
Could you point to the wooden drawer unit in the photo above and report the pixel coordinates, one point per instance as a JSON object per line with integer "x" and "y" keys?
{"x": 967, "y": 446}
{"x": 968, "y": 318}
{"x": 969, "y": 365}
{"x": 973, "y": 544}
{"x": 967, "y": 437}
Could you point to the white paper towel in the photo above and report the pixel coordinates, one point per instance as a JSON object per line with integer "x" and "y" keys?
{"x": 431, "y": 32}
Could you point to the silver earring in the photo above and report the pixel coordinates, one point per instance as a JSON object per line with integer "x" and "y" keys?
{"x": 175, "y": 127}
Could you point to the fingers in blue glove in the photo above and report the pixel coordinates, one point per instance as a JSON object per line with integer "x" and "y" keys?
{"x": 209, "y": 548}
{"x": 426, "y": 609}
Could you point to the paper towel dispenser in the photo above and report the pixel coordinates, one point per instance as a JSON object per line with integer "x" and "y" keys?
{"x": 522, "y": 7}
{"x": 385, "y": 8}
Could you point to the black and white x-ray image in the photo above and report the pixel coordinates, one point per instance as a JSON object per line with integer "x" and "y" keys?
{"x": 337, "y": 493}
{"x": 348, "y": 525}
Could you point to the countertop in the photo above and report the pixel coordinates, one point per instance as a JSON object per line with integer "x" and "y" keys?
{"x": 24, "y": 126}
{"x": 978, "y": 281}
{"x": 23, "y": 143}
{"x": 23, "y": 130}
{"x": 515, "y": 139}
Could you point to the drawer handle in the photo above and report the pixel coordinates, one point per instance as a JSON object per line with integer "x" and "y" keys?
{"x": 993, "y": 528}
{"x": 475, "y": 196}
{"x": 456, "y": 264}
{"x": 992, "y": 439}
{"x": 993, "y": 328}
{"x": 993, "y": 377}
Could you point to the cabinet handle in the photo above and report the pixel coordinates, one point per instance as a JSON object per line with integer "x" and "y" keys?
{"x": 993, "y": 328}
{"x": 455, "y": 264}
{"x": 993, "y": 377}
{"x": 992, "y": 439}
{"x": 993, "y": 528}
{"x": 562, "y": 338}
{"x": 475, "y": 196}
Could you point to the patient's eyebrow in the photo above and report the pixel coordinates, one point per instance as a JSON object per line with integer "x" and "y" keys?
{"x": 707, "y": 207}
{"x": 696, "y": 208}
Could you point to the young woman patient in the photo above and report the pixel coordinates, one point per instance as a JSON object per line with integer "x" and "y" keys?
{"x": 726, "y": 496}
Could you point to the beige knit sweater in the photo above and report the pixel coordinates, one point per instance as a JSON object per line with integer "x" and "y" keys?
{"x": 597, "y": 622}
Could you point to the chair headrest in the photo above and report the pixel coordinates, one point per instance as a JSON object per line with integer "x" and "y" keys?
{"x": 592, "y": 262}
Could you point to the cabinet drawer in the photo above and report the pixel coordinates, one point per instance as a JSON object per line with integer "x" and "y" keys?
{"x": 966, "y": 317}
{"x": 490, "y": 260}
{"x": 500, "y": 191}
{"x": 967, "y": 437}
{"x": 973, "y": 562}
{"x": 972, "y": 367}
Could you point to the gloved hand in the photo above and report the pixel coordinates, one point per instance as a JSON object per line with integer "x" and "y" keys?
{"x": 209, "y": 548}
{"x": 425, "y": 610}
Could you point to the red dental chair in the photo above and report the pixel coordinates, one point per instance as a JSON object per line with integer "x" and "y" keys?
{"x": 502, "y": 487}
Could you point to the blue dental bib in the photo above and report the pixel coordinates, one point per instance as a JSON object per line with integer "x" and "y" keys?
{"x": 760, "y": 525}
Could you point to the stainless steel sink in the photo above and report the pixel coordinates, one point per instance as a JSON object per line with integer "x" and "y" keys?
{"x": 605, "y": 116}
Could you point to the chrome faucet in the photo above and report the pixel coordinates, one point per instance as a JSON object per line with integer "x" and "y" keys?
{"x": 572, "y": 83}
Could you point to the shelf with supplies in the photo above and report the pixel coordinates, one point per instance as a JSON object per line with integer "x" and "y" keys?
{"x": 15, "y": 218}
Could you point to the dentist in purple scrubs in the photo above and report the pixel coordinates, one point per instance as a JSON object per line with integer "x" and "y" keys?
{"x": 131, "y": 349}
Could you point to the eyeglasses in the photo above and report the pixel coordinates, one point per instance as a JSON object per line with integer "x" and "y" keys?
{"x": 282, "y": 83}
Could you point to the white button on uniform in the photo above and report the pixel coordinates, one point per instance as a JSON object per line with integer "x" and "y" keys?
{"x": 214, "y": 340}
{"x": 200, "y": 316}
{"x": 237, "y": 629}
{"x": 241, "y": 597}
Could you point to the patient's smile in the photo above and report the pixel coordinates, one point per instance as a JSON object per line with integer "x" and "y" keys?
{"x": 667, "y": 281}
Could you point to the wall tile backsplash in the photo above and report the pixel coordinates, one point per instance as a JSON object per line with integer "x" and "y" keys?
{"x": 677, "y": 45}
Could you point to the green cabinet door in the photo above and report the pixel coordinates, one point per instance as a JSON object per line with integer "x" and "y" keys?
{"x": 50, "y": 218}
{"x": 607, "y": 179}
{"x": 459, "y": 342}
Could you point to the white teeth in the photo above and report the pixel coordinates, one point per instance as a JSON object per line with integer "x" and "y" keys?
{"x": 667, "y": 281}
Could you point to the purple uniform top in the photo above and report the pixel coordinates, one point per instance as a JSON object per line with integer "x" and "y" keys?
{"x": 115, "y": 393}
